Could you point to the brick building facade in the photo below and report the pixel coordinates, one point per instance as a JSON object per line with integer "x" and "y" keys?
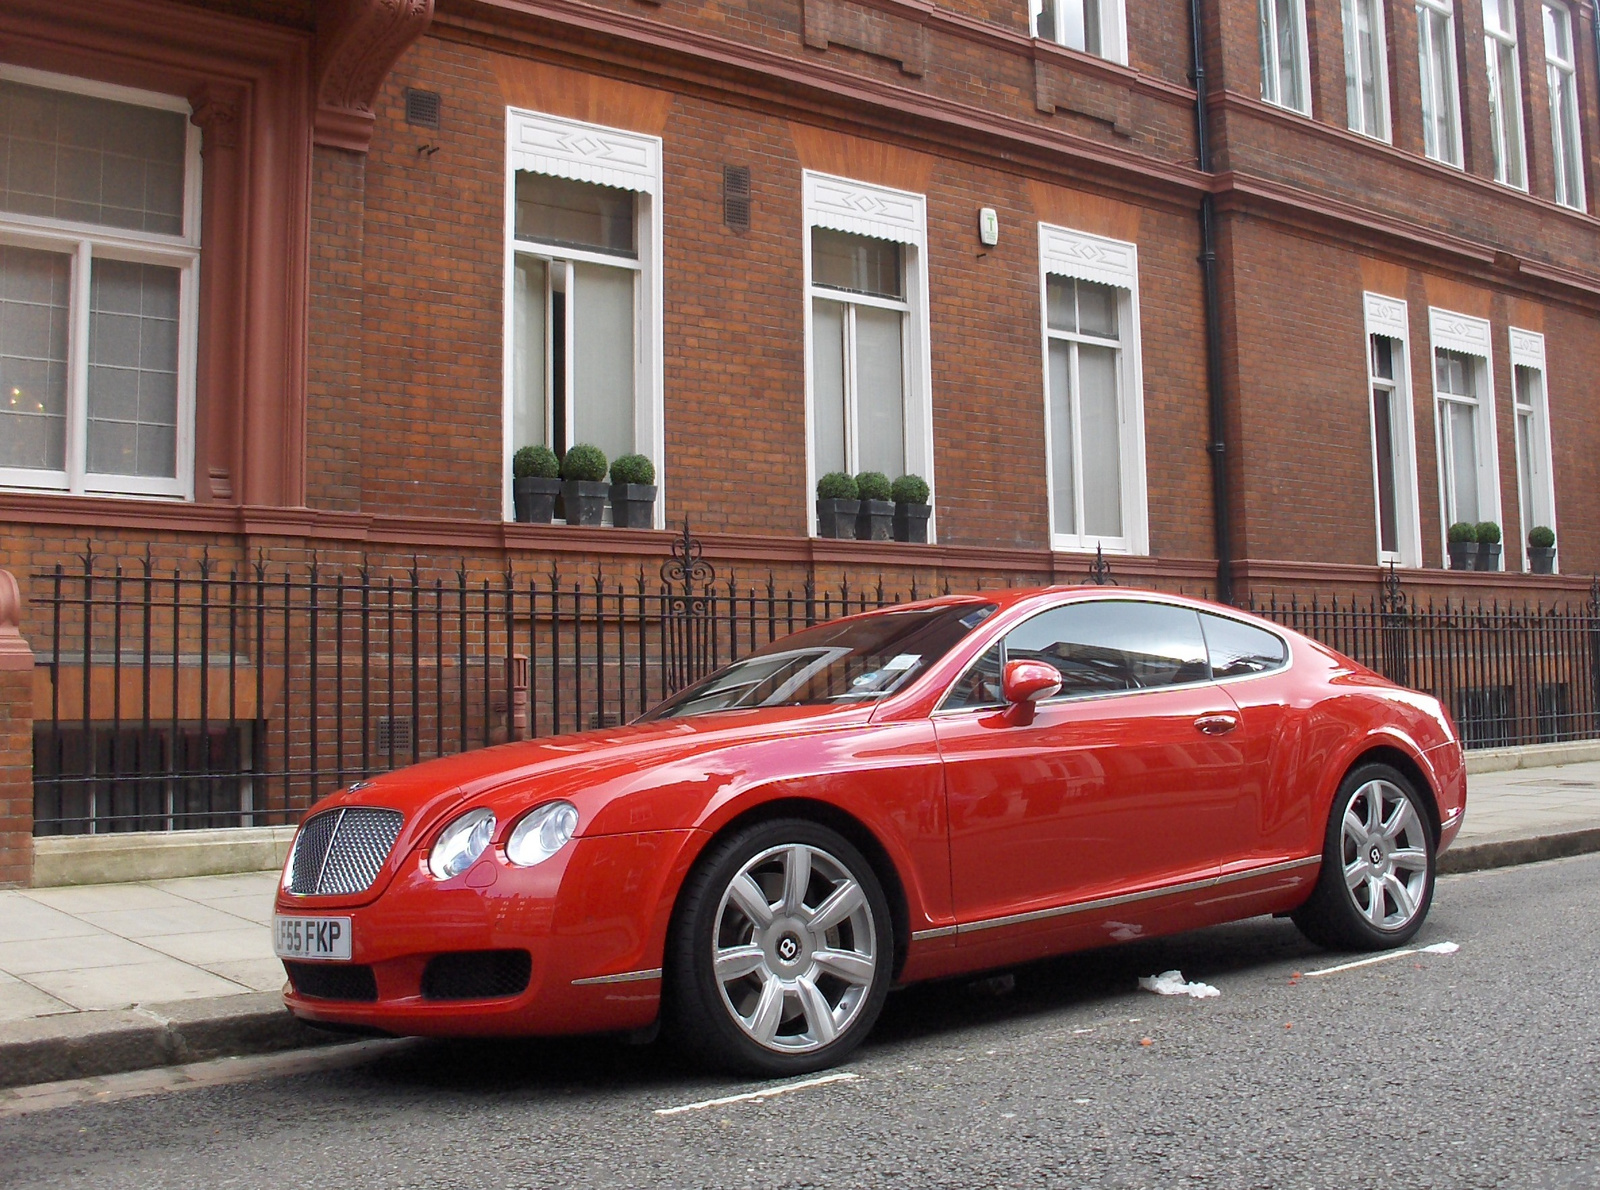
{"x": 343, "y": 370}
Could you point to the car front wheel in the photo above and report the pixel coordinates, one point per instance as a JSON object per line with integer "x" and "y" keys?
{"x": 781, "y": 951}
{"x": 1377, "y": 865}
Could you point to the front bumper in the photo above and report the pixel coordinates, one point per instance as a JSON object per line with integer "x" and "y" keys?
{"x": 592, "y": 921}
{"x": 1449, "y": 767}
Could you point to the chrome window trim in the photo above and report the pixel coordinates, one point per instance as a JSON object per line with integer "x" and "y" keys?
{"x": 942, "y": 712}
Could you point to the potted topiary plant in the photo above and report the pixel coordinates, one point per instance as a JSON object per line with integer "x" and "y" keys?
{"x": 535, "y": 484}
{"x": 584, "y": 488}
{"x": 837, "y": 505}
{"x": 1488, "y": 535}
{"x": 633, "y": 492}
{"x": 1542, "y": 549}
{"x": 1463, "y": 546}
{"x": 875, "y": 521}
{"x": 911, "y": 509}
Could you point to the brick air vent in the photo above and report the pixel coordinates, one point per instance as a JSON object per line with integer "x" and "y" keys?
{"x": 394, "y": 734}
{"x": 422, "y": 108}
{"x": 736, "y": 196}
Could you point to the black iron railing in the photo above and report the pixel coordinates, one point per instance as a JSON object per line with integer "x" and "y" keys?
{"x": 235, "y": 696}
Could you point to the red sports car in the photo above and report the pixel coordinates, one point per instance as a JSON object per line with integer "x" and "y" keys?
{"x": 927, "y": 790}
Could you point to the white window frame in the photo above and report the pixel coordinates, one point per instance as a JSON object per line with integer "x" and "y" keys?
{"x": 1451, "y": 88}
{"x": 1452, "y": 331}
{"x": 1503, "y": 125}
{"x": 1561, "y": 77}
{"x": 1354, "y": 117}
{"x": 1527, "y": 351}
{"x": 1271, "y": 68}
{"x": 85, "y": 243}
{"x": 900, "y": 216}
{"x": 1388, "y": 317}
{"x": 1113, "y": 26}
{"x": 594, "y": 153}
{"x": 1078, "y": 255}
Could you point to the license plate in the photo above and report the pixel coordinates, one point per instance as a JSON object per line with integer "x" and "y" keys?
{"x": 311, "y": 937}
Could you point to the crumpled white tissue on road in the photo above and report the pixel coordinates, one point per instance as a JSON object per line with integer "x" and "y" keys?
{"x": 1441, "y": 948}
{"x": 1171, "y": 983}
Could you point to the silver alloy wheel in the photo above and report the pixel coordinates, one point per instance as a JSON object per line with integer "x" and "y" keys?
{"x": 1384, "y": 848}
{"x": 795, "y": 948}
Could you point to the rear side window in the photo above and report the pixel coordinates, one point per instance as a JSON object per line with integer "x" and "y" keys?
{"x": 1113, "y": 645}
{"x": 1238, "y": 649}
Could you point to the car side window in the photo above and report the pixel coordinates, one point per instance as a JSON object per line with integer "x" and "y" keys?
{"x": 979, "y": 686}
{"x": 1110, "y": 645}
{"x": 1237, "y": 649}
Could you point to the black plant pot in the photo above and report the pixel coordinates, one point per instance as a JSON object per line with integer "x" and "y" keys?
{"x": 585, "y": 500}
{"x": 1488, "y": 556}
{"x": 535, "y": 498}
{"x": 837, "y": 518}
{"x": 633, "y": 505}
{"x": 911, "y": 522}
{"x": 875, "y": 521}
{"x": 1463, "y": 555}
{"x": 1542, "y": 559}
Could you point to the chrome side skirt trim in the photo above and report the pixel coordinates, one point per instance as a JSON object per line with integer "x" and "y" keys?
{"x": 624, "y": 977}
{"x": 1017, "y": 919}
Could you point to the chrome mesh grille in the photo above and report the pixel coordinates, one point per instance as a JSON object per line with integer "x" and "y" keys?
{"x": 340, "y": 852}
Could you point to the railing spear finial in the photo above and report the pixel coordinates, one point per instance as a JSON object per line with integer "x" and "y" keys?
{"x": 1100, "y": 570}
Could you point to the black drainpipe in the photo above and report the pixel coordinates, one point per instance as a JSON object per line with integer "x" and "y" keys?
{"x": 1218, "y": 446}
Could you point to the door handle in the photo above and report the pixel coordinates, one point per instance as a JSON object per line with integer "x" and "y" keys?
{"x": 1219, "y": 724}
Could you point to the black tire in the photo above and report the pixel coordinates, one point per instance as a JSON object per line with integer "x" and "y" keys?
{"x": 1375, "y": 887}
{"x": 818, "y": 1009}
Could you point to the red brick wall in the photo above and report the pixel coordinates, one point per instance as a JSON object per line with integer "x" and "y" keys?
{"x": 16, "y": 742}
{"x": 1302, "y": 433}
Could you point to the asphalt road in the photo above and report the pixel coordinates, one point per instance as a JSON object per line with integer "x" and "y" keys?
{"x": 1474, "y": 1069}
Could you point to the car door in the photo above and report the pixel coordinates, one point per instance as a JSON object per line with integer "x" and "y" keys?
{"x": 1128, "y": 779}
{"x": 1251, "y": 663}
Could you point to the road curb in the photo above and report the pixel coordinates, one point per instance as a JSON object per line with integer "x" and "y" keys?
{"x": 1505, "y": 853}
{"x": 85, "y": 1044}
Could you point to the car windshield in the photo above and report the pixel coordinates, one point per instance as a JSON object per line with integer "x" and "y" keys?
{"x": 848, "y": 661}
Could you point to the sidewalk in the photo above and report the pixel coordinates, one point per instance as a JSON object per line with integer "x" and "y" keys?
{"x": 96, "y": 979}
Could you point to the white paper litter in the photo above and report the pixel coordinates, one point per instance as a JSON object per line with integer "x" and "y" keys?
{"x": 1441, "y": 948}
{"x": 1171, "y": 983}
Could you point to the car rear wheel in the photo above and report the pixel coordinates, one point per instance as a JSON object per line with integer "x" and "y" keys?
{"x": 781, "y": 951}
{"x": 1377, "y": 865}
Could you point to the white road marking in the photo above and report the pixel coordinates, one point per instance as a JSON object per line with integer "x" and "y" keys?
{"x": 758, "y": 1096}
{"x": 1436, "y": 948}
{"x": 1382, "y": 958}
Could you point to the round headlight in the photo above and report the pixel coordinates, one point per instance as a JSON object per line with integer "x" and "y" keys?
{"x": 462, "y": 842}
{"x": 542, "y": 833}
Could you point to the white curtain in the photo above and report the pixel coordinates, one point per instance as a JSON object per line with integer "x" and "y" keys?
{"x": 33, "y": 358}
{"x": 827, "y": 384}
{"x": 603, "y": 358}
{"x": 880, "y": 391}
{"x": 528, "y": 317}
{"x": 1102, "y": 441}
{"x": 133, "y": 369}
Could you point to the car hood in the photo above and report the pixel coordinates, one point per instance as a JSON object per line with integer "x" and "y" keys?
{"x": 659, "y": 775}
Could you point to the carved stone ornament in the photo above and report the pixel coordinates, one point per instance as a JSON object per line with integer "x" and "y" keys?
{"x": 216, "y": 114}
{"x": 1458, "y": 332}
{"x": 14, "y": 650}
{"x": 358, "y": 43}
